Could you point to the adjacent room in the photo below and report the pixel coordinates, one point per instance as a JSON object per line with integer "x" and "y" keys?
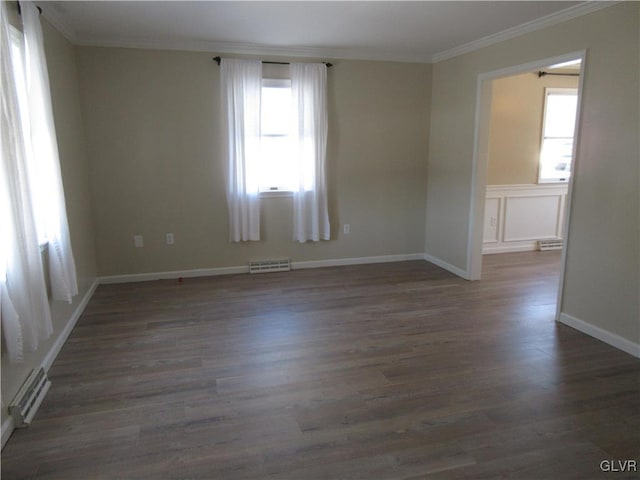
{"x": 307, "y": 240}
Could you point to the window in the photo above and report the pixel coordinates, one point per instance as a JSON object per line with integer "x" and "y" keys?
{"x": 276, "y": 135}
{"x": 37, "y": 184}
{"x": 277, "y": 170}
{"x": 556, "y": 152}
{"x": 34, "y": 152}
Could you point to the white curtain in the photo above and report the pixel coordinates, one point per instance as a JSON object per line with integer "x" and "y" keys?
{"x": 309, "y": 90}
{"x": 50, "y": 203}
{"x": 24, "y": 308}
{"x": 241, "y": 82}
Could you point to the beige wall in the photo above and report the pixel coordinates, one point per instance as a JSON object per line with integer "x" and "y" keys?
{"x": 516, "y": 126}
{"x": 153, "y": 120}
{"x": 67, "y": 115}
{"x": 601, "y": 283}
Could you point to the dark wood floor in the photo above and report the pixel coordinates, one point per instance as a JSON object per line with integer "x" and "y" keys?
{"x": 388, "y": 371}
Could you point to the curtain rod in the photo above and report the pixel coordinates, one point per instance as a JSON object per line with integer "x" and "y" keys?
{"x": 544, "y": 74}
{"x": 218, "y": 60}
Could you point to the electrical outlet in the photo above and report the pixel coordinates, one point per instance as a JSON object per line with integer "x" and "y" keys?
{"x": 138, "y": 241}
{"x": 346, "y": 229}
{"x": 493, "y": 221}
{"x": 169, "y": 238}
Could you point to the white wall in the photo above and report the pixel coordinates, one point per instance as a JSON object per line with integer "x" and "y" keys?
{"x": 602, "y": 283}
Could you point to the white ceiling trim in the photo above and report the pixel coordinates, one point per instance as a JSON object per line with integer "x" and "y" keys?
{"x": 262, "y": 50}
{"x": 58, "y": 22}
{"x": 528, "y": 27}
{"x": 328, "y": 53}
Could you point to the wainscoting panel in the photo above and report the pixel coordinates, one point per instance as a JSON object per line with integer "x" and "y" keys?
{"x": 517, "y": 216}
{"x": 531, "y": 218}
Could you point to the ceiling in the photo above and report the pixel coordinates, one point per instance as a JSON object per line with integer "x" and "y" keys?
{"x": 418, "y": 31}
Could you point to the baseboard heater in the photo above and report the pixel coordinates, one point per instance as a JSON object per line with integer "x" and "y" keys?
{"x": 264, "y": 266}
{"x": 26, "y": 402}
{"x": 545, "y": 245}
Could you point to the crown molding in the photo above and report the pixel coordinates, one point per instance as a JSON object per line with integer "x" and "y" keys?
{"x": 524, "y": 28}
{"x": 259, "y": 50}
{"x": 58, "y": 22}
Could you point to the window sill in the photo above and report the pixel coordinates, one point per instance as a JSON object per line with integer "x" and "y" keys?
{"x": 276, "y": 194}
{"x": 548, "y": 182}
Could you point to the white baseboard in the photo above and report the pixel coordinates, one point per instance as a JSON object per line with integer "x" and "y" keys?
{"x": 146, "y": 277}
{"x": 447, "y": 266}
{"x": 337, "y": 262}
{"x": 207, "y": 272}
{"x": 49, "y": 358}
{"x": 605, "y": 336}
{"x": 7, "y": 429}
{"x": 66, "y": 331}
{"x": 489, "y": 249}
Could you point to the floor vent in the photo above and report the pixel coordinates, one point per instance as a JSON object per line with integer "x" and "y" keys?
{"x": 26, "y": 402}
{"x": 264, "y": 266}
{"x": 545, "y": 245}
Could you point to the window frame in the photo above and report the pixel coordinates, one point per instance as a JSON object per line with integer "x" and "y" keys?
{"x": 550, "y": 91}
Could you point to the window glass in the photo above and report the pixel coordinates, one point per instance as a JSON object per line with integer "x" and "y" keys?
{"x": 559, "y": 120}
{"x": 277, "y": 166}
{"x": 556, "y": 151}
{"x": 276, "y": 108}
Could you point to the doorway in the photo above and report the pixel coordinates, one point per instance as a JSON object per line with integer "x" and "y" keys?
{"x": 483, "y": 177}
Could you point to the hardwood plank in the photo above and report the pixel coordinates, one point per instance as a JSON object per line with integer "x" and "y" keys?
{"x": 387, "y": 371}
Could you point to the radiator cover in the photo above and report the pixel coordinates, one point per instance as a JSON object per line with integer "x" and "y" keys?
{"x": 264, "y": 266}
{"x": 545, "y": 245}
{"x": 26, "y": 402}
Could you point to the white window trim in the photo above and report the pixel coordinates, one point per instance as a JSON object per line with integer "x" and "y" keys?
{"x": 276, "y": 193}
{"x": 276, "y": 82}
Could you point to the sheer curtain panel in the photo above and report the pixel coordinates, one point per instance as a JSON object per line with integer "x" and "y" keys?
{"x": 50, "y": 209}
{"x": 309, "y": 90}
{"x": 24, "y": 308}
{"x": 241, "y": 84}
